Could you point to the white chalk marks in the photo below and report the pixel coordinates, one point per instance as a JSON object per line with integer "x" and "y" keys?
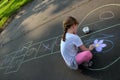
{"x": 13, "y": 61}
{"x": 112, "y": 44}
{"x": 102, "y": 15}
{"x": 106, "y": 15}
{"x": 30, "y": 51}
{"x": 107, "y": 41}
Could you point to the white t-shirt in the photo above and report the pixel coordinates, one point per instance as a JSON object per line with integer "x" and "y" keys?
{"x": 69, "y": 49}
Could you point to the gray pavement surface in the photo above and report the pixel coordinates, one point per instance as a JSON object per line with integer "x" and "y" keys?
{"x": 29, "y": 46}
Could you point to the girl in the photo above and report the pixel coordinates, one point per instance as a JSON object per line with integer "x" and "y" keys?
{"x": 70, "y": 43}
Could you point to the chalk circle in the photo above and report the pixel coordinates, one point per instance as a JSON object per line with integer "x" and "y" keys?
{"x": 107, "y": 5}
{"x": 108, "y": 48}
{"x": 106, "y": 15}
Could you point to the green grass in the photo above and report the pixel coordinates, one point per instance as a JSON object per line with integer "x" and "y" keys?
{"x": 8, "y": 8}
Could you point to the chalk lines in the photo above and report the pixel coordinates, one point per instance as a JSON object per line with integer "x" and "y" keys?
{"x": 30, "y": 51}
{"x": 102, "y": 16}
{"x": 13, "y": 61}
{"x": 105, "y": 67}
{"x": 107, "y": 5}
{"x": 101, "y": 30}
{"x": 105, "y": 37}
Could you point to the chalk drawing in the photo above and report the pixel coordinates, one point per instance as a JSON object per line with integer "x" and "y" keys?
{"x": 29, "y": 52}
{"x": 103, "y": 16}
{"x": 105, "y": 67}
{"x": 19, "y": 52}
{"x": 99, "y": 45}
{"x": 102, "y": 19}
{"x": 12, "y": 62}
{"x": 21, "y": 56}
{"x": 107, "y": 41}
{"x": 32, "y": 52}
{"x": 57, "y": 44}
{"x": 46, "y": 47}
{"x": 107, "y": 5}
{"x": 28, "y": 45}
{"x": 14, "y": 65}
{"x": 6, "y": 60}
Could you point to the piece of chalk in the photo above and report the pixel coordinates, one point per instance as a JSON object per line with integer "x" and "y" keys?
{"x": 86, "y": 29}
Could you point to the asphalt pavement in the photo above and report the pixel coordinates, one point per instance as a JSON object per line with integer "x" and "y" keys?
{"x": 30, "y": 45}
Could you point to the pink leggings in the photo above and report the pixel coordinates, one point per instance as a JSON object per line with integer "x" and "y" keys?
{"x": 84, "y": 56}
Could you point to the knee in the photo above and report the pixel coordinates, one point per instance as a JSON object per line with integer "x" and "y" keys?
{"x": 89, "y": 54}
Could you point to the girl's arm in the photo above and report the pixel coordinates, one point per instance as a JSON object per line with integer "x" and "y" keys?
{"x": 84, "y": 48}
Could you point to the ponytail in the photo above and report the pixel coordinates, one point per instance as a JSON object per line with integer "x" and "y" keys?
{"x": 64, "y": 34}
{"x": 67, "y": 24}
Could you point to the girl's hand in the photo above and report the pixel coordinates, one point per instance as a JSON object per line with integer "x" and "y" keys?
{"x": 91, "y": 47}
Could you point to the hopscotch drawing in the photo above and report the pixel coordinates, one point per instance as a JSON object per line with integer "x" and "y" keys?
{"x": 13, "y": 61}
{"x": 30, "y": 51}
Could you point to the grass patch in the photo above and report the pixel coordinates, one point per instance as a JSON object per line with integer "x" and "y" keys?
{"x": 8, "y": 8}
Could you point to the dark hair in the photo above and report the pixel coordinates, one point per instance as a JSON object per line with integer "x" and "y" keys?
{"x": 67, "y": 23}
